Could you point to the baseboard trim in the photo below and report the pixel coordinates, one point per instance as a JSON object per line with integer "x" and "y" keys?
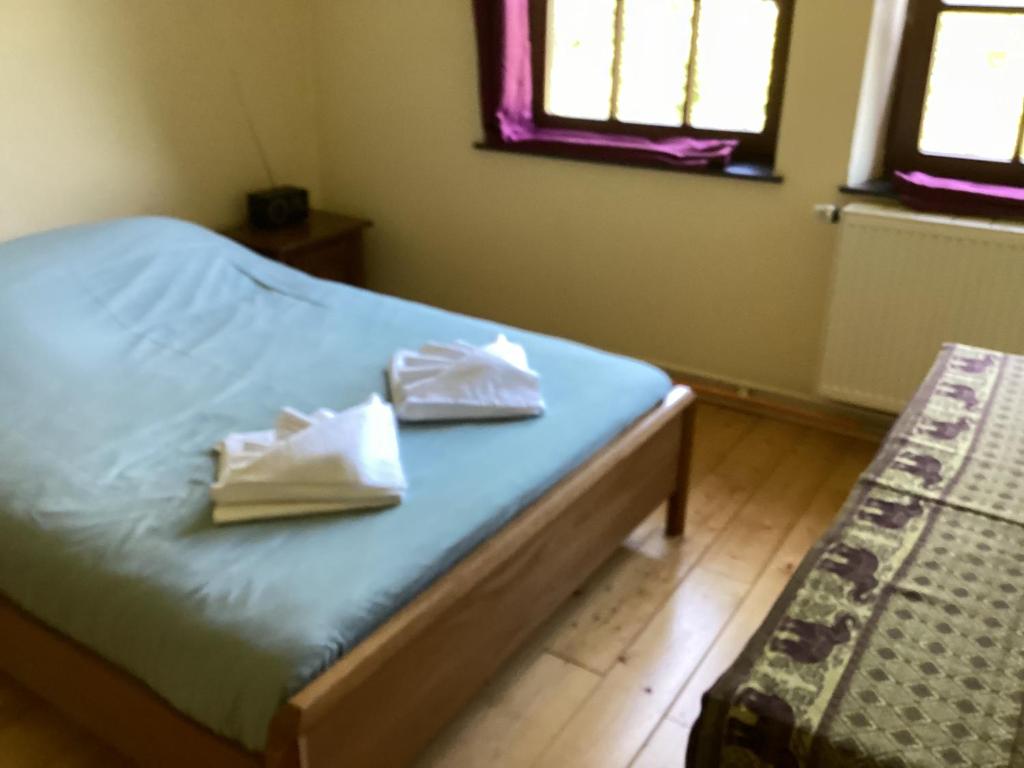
{"x": 849, "y": 420}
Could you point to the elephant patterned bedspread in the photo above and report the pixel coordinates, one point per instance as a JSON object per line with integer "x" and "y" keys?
{"x": 899, "y": 640}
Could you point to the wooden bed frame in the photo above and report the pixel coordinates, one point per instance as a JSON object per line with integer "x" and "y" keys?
{"x": 381, "y": 703}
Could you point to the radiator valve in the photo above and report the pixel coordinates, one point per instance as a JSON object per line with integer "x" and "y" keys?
{"x": 827, "y": 212}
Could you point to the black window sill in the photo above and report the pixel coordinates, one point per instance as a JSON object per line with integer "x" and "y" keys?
{"x": 747, "y": 171}
{"x": 881, "y": 188}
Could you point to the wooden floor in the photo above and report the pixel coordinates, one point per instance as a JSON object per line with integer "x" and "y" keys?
{"x": 615, "y": 678}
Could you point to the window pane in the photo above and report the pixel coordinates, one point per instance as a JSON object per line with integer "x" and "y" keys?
{"x": 653, "y": 60}
{"x": 580, "y": 51}
{"x": 976, "y": 86}
{"x": 735, "y": 43}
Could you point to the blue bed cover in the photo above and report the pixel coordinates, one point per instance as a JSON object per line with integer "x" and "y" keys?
{"x": 128, "y": 348}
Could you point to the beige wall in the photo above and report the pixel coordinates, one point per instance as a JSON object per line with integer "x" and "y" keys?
{"x": 116, "y": 107}
{"x": 718, "y": 276}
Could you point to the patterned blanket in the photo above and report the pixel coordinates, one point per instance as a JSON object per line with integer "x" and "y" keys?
{"x": 899, "y": 640}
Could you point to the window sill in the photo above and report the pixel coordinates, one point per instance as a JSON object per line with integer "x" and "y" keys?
{"x": 871, "y": 188}
{"x": 747, "y": 171}
{"x": 969, "y": 200}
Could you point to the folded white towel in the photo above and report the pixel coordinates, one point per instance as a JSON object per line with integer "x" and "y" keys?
{"x": 323, "y": 462}
{"x": 446, "y": 382}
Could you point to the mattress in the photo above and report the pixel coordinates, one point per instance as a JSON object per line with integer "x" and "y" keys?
{"x": 128, "y": 348}
{"x": 900, "y": 639}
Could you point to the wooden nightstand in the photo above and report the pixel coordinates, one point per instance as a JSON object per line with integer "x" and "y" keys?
{"x": 327, "y": 245}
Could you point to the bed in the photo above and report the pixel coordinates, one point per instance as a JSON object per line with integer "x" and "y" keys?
{"x": 900, "y": 641}
{"x": 130, "y": 347}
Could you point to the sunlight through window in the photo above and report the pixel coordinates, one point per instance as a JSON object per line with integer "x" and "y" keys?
{"x": 975, "y": 91}
{"x": 659, "y": 68}
{"x": 654, "y": 61}
{"x": 733, "y": 67}
{"x": 581, "y": 52}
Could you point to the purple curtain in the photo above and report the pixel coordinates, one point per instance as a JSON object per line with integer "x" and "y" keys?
{"x": 506, "y": 99}
{"x": 966, "y": 198}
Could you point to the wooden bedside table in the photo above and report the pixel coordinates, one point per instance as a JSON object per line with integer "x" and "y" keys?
{"x": 327, "y": 245}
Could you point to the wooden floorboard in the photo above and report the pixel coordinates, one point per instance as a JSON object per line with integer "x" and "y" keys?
{"x": 662, "y": 748}
{"x": 516, "y": 716}
{"x": 613, "y": 724}
{"x": 614, "y": 679}
{"x": 814, "y": 521}
{"x": 614, "y": 607}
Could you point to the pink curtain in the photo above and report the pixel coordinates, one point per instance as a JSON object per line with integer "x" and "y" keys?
{"x": 506, "y": 96}
{"x": 966, "y": 198}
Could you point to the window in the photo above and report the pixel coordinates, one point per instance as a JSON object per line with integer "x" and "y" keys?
{"x": 677, "y": 82}
{"x": 703, "y": 68}
{"x": 959, "y": 106}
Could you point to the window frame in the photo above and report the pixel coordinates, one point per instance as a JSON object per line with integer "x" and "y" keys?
{"x": 753, "y": 147}
{"x": 914, "y": 68}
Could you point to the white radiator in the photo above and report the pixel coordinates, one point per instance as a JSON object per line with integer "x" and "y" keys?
{"x": 902, "y": 284}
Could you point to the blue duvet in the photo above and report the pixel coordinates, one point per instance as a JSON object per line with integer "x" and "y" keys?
{"x": 127, "y": 349}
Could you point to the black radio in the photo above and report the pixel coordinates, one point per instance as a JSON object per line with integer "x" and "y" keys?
{"x": 278, "y": 207}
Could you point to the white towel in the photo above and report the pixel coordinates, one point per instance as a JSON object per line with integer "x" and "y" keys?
{"x": 454, "y": 382}
{"x": 324, "y": 462}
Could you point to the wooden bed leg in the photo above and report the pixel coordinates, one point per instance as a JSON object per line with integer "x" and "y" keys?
{"x": 675, "y": 524}
{"x": 284, "y": 740}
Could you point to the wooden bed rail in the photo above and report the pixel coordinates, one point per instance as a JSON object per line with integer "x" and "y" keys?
{"x": 381, "y": 703}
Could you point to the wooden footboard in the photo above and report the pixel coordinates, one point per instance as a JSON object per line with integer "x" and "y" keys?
{"x": 382, "y": 703}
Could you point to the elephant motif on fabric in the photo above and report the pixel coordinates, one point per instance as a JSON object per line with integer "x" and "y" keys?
{"x": 962, "y": 393}
{"x": 974, "y": 364}
{"x": 811, "y": 643}
{"x": 891, "y": 514}
{"x": 927, "y": 469}
{"x": 947, "y": 430}
{"x": 854, "y": 564}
